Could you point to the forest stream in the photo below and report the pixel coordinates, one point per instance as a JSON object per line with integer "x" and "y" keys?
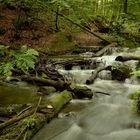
{"x": 70, "y": 70}
{"x": 105, "y": 117}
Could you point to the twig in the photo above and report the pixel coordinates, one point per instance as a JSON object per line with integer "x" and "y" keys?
{"x": 21, "y": 112}
{"x": 38, "y": 105}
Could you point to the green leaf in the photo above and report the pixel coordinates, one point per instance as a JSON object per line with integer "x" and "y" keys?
{"x": 5, "y": 68}
{"x": 25, "y": 58}
{"x": 32, "y": 52}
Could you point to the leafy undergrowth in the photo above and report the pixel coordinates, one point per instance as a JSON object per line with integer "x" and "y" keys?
{"x": 22, "y": 59}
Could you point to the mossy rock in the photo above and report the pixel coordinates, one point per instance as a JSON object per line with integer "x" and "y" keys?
{"x": 120, "y": 72}
{"x": 136, "y": 101}
{"x": 82, "y": 92}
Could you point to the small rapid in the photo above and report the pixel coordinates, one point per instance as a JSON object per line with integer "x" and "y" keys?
{"x": 105, "y": 117}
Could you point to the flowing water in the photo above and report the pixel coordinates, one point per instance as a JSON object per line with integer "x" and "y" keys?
{"x": 102, "y": 118}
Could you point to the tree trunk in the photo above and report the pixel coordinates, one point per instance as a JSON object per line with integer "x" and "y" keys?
{"x": 56, "y": 20}
{"x": 126, "y": 6}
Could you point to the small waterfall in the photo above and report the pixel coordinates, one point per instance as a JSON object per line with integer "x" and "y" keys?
{"x": 104, "y": 117}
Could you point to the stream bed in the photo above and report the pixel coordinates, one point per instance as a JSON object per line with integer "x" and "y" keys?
{"x": 104, "y": 117}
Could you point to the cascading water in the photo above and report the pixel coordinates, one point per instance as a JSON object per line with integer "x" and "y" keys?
{"x": 105, "y": 117}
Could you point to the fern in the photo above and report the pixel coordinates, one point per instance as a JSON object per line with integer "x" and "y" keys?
{"x": 3, "y": 50}
{"x": 22, "y": 59}
{"x": 25, "y": 58}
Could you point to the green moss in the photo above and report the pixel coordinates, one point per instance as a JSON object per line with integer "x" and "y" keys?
{"x": 61, "y": 99}
{"x": 136, "y": 101}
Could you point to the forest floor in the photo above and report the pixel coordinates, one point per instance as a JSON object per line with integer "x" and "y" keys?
{"x": 17, "y": 31}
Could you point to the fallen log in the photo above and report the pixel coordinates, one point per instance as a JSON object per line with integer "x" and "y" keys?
{"x": 105, "y": 50}
{"x": 33, "y": 121}
{"x": 82, "y": 27}
{"x": 79, "y": 91}
{"x": 69, "y": 63}
{"x": 127, "y": 58}
{"x": 46, "y": 82}
{"x": 94, "y": 75}
{"x": 90, "y": 48}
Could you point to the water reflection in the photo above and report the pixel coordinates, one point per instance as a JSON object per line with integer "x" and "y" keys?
{"x": 17, "y": 95}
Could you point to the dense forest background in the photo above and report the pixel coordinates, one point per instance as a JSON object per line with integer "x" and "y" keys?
{"x": 55, "y": 51}
{"x": 46, "y": 23}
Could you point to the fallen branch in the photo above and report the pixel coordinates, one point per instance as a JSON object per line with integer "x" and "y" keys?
{"x": 16, "y": 118}
{"x": 80, "y": 26}
{"x": 78, "y": 91}
{"x": 94, "y": 75}
{"x": 105, "y": 49}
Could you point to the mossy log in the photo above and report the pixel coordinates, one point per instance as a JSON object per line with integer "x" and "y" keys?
{"x": 127, "y": 58}
{"x": 32, "y": 120}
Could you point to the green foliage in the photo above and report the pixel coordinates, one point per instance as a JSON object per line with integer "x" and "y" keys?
{"x": 22, "y": 59}
{"x": 3, "y": 50}
{"x": 25, "y": 58}
{"x": 6, "y": 68}
{"x": 30, "y": 122}
{"x": 136, "y": 101}
{"x": 136, "y": 73}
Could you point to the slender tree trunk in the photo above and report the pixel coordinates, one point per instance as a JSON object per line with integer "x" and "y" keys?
{"x": 56, "y": 20}
{"x": 125, "y": 6}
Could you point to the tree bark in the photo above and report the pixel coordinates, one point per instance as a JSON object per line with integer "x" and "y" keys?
{"x": 126, "y": 6}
